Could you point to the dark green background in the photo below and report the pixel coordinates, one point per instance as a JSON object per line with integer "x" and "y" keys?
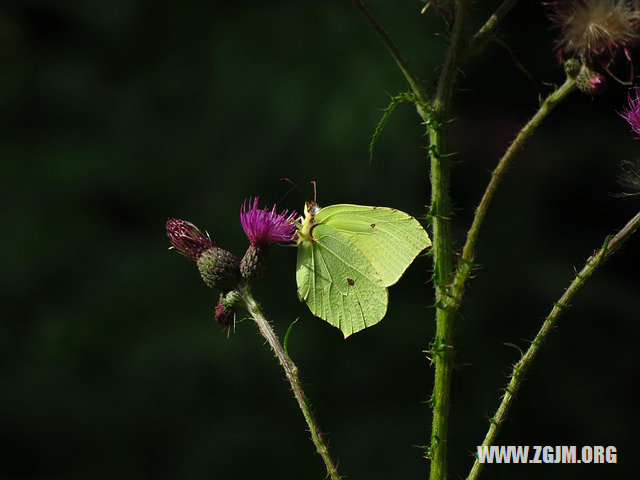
{"x": 119, "y": 114}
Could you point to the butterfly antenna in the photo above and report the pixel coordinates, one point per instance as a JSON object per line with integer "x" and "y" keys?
{"x": 294, "y": 186}
{"x": 313, "y": 182}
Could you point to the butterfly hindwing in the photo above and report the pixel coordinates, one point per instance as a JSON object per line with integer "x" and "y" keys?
{"x": 388, "y": 238}
{"x": 338, "y": 282}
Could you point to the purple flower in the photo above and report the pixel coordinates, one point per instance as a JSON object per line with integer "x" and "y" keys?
{"x": 264, "y": 227}
{"x": 632, "y": 113}
{"x": 187, "y": 239}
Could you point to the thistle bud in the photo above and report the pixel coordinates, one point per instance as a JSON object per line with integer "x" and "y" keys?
{"x": 225, "y": 312}
{"x": 254, "y": 262}
{"x": 589, "y": 81}
{"x": 572, "y": 67}
{"x": 219, "y": 269}
{"x": 223, "y": 316}
{"x": 187, "y": 239}
{"x": 231, "y": 300}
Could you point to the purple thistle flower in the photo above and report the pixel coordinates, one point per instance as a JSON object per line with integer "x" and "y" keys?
{"x": 264, "y": 227}
{"x": 632, "y": 113}
{"x": 187, "y": 239}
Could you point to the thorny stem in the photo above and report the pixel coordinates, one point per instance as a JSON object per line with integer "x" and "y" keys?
{"x": 291, "y": 372}
{"x": 441, "y": 212}
{"x": 450, "y": 288}
{"x": 468, "y": 252}
{"x": 609, "y": 247}
{"x": 434, "y": 117}
{"x": 481, "y": 37}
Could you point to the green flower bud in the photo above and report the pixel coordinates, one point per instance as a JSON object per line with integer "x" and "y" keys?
{"x": 231, "y": 300}
{"x": 254, "y": 262}
{"x": 225, "y": 312}
{"x": 219, "y": 269}
{"x": 589, "y": 81}
{"x": 572, "y": 67}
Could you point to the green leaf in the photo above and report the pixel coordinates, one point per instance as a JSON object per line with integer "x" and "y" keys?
{"x": 286, "y": 337}
{"x": 386, "y": 114}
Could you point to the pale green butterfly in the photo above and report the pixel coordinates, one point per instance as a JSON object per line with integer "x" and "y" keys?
{"x": 347, "y": 257}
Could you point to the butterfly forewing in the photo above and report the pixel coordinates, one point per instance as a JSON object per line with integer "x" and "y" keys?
{"x": 388, "y": 238}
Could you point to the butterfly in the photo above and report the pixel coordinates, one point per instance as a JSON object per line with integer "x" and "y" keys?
{"x": 347, "y": 257}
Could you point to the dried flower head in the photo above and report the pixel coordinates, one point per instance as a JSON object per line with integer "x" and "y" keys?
{"x": 632, "y": 113}
{"x": 629, "y": 177}
{"x": 595, "y": 30}
{"x": 264, "y": 227}
{"x": 187, "y": 239}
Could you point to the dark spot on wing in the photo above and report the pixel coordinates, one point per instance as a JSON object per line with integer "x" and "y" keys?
{"x": 373, "y": 225}
{"x": 351, "y": 281}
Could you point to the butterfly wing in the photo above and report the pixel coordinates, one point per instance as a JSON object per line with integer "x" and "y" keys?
{"x": 338, "y": 282}
{"x": 388, "y": 238}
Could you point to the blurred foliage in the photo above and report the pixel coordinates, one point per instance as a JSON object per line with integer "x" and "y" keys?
{"x": 119, "y": 114}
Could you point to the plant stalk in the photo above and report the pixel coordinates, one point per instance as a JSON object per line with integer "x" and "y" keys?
{"x": 480, "y": 38}
{"x": 291, "y": 372}
{"x": 441, "y": 211}
{"x": 609, "y": 247}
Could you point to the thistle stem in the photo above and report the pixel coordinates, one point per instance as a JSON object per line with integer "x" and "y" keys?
{"x": 441, "y": 212}
{"x": 434, "y": 116}
{"x": 609, "y": 247}
{"x": 481, "y": 37}
{"x": 291, "y": 372}
{"x": 468, "y": 252}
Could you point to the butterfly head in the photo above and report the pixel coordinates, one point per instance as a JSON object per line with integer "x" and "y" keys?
{"x": 307, "y": 222}
{"x": 311, "y": 209}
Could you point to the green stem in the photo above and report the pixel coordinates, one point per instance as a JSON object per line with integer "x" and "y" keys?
{"x": 434, "y": 117}
{"x": 441, "y": 212}
{"x": 468, "y": 252}
{"x": 291, "y": 372}
{"x": 610, "y": 246}
{"x": 481, "y": 37}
